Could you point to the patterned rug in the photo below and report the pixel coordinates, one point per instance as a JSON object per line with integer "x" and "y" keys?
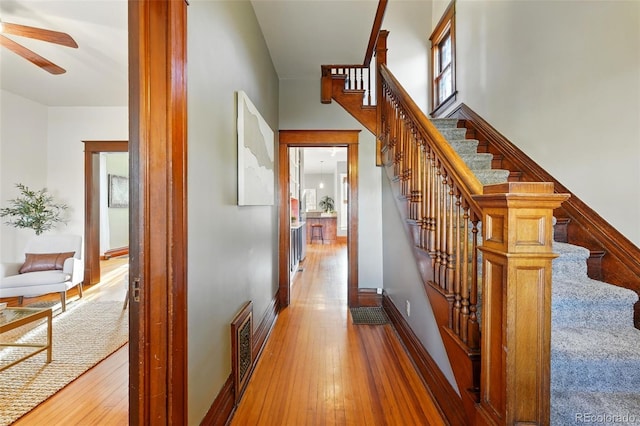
{"x": 369, "y": 316}
{"x": 84, "y": 335}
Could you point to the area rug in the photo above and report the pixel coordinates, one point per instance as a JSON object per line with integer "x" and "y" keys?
{"x": 84, "y": 335}
{"x": 369, "y": 316}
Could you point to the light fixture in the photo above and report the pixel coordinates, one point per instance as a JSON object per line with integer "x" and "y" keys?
{"x": 321, "y": 185}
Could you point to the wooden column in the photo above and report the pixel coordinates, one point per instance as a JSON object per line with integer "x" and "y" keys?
{"x": 516, "y": 302}
{"x": 158, "y": 212}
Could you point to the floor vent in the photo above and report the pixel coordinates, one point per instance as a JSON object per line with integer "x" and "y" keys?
{"x": 241, "y": 344}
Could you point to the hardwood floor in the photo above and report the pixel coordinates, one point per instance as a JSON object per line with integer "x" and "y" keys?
{"x": 101, "y": 395}
{"x": 318, "y": 368}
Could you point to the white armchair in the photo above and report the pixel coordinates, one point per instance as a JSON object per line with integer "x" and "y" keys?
{"x": 53, "y": 263}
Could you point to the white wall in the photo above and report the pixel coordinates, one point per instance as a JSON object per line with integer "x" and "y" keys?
{"x": 67, "y": 128}
{"x": 300, "y": 108}
{"x": 560, "y": 79}
{"x": 233, "y": 251}
{"x": 408, "y": 53}
{"x": 42, "y": 147}
{"x": 23, "y": 159}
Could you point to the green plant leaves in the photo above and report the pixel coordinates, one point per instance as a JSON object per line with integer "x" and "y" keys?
{"x": 35, "y": 210}
{"x": 327, "y": 204}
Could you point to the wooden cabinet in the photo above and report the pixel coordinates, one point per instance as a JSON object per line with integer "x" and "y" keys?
{"x": 297, "y": 246}
{"x": 329, "y": 228}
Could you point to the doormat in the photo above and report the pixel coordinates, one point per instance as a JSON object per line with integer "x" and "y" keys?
{"x": 369, "y": 315}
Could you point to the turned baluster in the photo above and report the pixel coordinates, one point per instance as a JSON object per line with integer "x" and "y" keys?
{"x": 464, "y": 279}
{"x": 450, "y": 270}
{"x": 474, "y": 327}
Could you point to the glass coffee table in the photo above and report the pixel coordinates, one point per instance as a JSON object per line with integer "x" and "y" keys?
{"x": 12, "y": 318}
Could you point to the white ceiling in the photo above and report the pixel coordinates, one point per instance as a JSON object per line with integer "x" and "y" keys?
{"x": 301, "y": 35}
{"x": 96, "y": 71}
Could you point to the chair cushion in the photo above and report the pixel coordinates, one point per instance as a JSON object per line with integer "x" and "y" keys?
{"x": 35, "y": 278}
{"x": 36, "y": 262}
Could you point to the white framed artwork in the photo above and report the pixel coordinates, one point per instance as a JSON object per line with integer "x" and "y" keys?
{"x": 255, "y": 156}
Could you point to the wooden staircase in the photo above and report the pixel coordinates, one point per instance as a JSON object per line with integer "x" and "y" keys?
{"x": 471, "y": 238}
{"x": 349, "y": 92}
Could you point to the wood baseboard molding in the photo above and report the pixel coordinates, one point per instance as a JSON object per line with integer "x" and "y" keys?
{"x": 224, "y": 406}
{"x": 448, "y": 400}
{"x": 263, "y": 329}
{"x": 115, "y": 252}
{"x": 369, "y": 297}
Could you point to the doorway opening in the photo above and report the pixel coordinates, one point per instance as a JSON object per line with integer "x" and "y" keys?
{"x": 95, "y": 186}
{"x": 293, "y": 198}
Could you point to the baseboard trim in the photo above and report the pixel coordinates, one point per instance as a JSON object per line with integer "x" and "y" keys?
{"x": 369, "y": 297}
{"x": 448, "y": 401}
{"x": 222, "y": 409}
{"x": 116, "y": 252}
{"x": 263, "y": 330}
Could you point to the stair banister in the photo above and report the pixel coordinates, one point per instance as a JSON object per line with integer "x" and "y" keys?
{"x": 516, "y": 319}
{"x": 461, "y": 174}
{"x": 444, "y": 202}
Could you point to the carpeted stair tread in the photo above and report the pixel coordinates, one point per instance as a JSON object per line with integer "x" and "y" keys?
{"x": 492, "y": 177}
{"x": 453, "y": 133}
{"x": 443, "y": 123}
{"x": 590, "y": 303}
{"x": 477, "y": 161}
{"x": 464, "y": 146}
{"x": 579, "y": 408}
{"x": 586, "y": 293}
{"x": 571, "y": 260}
{"x": 585, "y": 359}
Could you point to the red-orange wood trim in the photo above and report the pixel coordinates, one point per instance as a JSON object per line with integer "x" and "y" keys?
{"x": 92, "y": 149}
{"x": 375, "y": 30}
{"x": 222, "y": 408}
{"x": 158, "y": 219}
{"x": 120, "y": 251}
{"x": 317, "y": 138}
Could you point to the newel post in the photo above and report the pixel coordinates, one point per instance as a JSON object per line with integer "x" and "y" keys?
{"x": 326, "y": 85}
{"x": 381, "y": 59}
{"x": 516, "y": 298}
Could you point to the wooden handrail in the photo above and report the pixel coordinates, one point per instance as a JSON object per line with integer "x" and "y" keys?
{"x": 463, "y": 176}
{"x": 375, "y": 30}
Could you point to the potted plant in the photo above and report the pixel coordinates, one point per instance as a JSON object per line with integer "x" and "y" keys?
{"x": 327, "y": 205}
{"x": 34, "y": 210}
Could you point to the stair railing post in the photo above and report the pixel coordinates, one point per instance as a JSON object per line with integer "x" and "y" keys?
{"x": 516, "y": 302}
{"x": 381, "y": 58}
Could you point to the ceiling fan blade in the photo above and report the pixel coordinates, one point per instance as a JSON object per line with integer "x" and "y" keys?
{"x": 57, "y": 37}
{"x": 31, "y": 56}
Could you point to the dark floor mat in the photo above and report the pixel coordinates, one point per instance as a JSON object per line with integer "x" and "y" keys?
{"x": 369, "y": 315}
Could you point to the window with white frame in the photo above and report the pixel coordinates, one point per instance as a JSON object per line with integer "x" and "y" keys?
{"x": 443, "y": 58}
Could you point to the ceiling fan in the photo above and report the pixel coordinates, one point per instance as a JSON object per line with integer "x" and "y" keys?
{"x": 56, "y": 37}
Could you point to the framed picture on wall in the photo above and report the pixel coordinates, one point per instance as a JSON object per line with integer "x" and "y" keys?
{"x": 118, "y": 191}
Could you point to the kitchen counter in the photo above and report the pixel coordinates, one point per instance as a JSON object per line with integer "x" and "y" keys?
{"x": 329, "y": 228}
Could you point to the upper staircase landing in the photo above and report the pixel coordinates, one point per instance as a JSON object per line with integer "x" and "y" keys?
{"x": 350, "y": 87}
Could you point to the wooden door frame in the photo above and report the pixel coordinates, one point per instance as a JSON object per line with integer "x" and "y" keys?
{"x": 318, "y": 139}
{"x": 92, "y": 149}
{"x": 157, "y": 212}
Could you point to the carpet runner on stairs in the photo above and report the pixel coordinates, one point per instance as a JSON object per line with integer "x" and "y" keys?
{"x": 595, "y": 350}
